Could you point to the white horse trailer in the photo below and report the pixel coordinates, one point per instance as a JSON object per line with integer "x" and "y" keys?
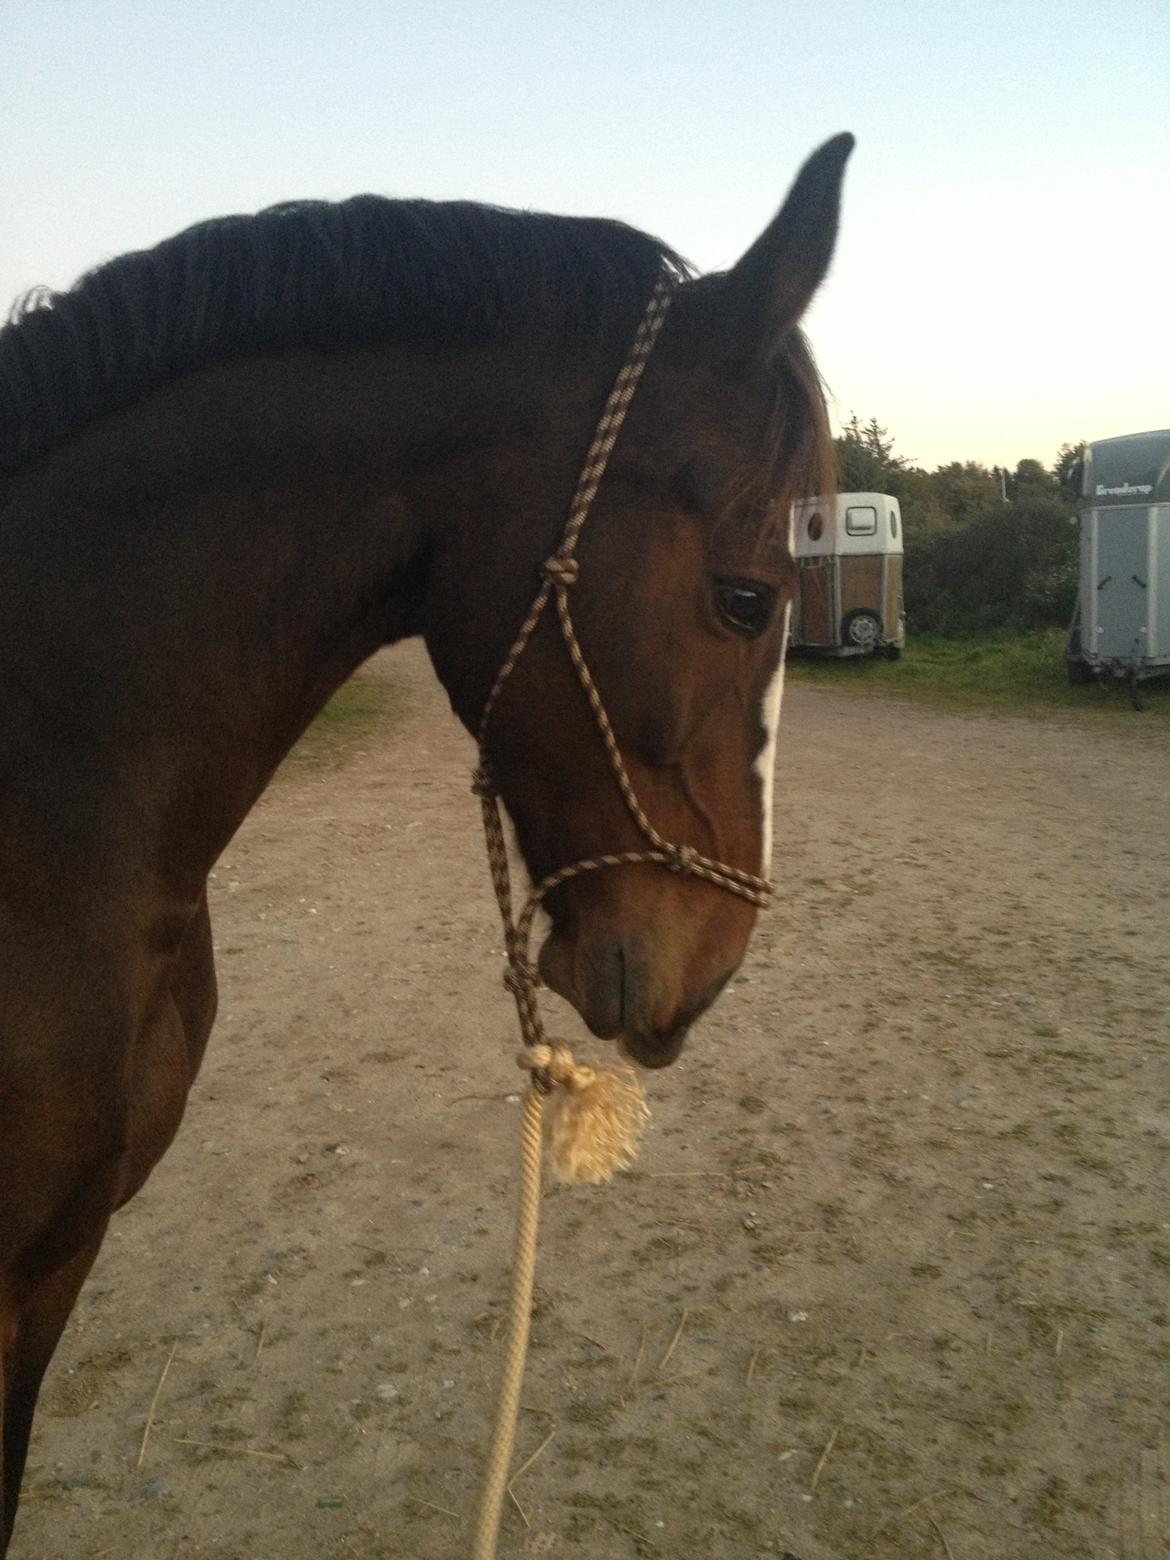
{"x": 1122, "y": 623}
{"x": 849, "y": 557}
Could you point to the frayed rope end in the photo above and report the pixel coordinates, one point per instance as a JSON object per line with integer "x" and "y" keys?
{"x": 593, "y": 1118}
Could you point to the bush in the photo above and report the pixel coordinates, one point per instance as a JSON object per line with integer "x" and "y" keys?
{"x": 1012, "y": 567}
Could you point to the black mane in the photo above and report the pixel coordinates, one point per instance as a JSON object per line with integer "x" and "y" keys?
{"x": 309, "y": 274}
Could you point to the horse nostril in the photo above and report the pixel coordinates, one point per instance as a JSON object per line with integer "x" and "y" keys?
{"x": 603, "y": 975}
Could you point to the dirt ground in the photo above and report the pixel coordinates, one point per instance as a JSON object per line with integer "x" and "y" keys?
{"x": 891, "y": 1279}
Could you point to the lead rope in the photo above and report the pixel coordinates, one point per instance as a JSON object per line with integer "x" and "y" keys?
{"x": 595, "y": 1116}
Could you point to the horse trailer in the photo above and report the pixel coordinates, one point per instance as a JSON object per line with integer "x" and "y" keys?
{"x": 849, "y": 559}
{"x": 1121, "y": 627}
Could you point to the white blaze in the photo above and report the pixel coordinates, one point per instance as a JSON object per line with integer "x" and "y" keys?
{"x": 765, "y": 765}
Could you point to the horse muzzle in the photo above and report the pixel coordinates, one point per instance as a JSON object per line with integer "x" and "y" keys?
{"x": 622, "y": 994}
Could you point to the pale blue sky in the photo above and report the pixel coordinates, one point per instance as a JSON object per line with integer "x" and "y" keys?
{"x": 1001, "y": 281}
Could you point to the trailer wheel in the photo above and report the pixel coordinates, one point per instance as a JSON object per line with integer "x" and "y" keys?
{"x": 1078, "y": 672}
{"x": 861, "y": 631}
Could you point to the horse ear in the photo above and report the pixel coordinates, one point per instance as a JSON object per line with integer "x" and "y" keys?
{"x": 766, "y": 293}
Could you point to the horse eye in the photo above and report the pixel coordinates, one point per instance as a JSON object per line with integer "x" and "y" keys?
{"x": 745, "y": 605}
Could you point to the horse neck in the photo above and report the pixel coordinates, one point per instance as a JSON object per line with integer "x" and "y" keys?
{"x": 234, "y": 548}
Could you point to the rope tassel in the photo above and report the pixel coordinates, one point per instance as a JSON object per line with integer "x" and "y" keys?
{"x": 594, "y": 1115}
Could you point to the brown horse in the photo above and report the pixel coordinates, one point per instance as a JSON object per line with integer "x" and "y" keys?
{"x": 233, "y": 467}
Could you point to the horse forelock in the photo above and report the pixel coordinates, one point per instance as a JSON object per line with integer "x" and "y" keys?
{"x": 791, "y": 457}
{"x": 317, "y": 275}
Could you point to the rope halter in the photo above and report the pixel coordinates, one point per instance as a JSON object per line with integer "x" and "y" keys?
{"x": 560, "y": 574}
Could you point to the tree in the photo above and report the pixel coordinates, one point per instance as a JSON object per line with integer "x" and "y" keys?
{"x": 866, "y": 461}
{"x": 1069, "y": 468}
{"x": 1030, "y": 477}
{"x": 966, "y": 490}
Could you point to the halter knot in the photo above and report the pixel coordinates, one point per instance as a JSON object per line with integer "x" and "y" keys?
{"x": 682, "y": 858}
{"x": 482, "y": 784}
{"x": 557, "y": 1061}
{"x": 561, "y": 570}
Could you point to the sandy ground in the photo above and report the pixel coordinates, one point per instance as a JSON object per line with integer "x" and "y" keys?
{"x": 892, "y": 1278}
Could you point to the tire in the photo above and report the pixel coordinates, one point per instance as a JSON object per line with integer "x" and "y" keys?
{"x": 892, "y": 652}
{"x": 1078, "y": 672}
{"x": 861, "y": 631}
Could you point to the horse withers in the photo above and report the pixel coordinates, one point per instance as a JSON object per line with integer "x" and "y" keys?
{"x": 232, "y": 468}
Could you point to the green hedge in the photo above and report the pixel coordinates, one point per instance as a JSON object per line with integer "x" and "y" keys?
{"x": 1011, "y": 568}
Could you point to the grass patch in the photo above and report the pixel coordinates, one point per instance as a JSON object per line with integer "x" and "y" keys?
{"x": 365, "y": 706}
{"x": 1021, "y": 673}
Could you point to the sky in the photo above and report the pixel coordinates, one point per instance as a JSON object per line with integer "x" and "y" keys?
{"x": 1000, "y": 287}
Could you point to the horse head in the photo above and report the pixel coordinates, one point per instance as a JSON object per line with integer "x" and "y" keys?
{"x": 680, "y": 607}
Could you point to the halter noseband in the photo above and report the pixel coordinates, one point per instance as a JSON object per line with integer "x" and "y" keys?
{"x": 560, "y": 574}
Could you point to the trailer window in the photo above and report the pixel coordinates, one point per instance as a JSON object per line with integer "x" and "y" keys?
{"x": 816, "y": 527}
{"x": 861, "y": 520}
{"x": 893, "y": 523}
